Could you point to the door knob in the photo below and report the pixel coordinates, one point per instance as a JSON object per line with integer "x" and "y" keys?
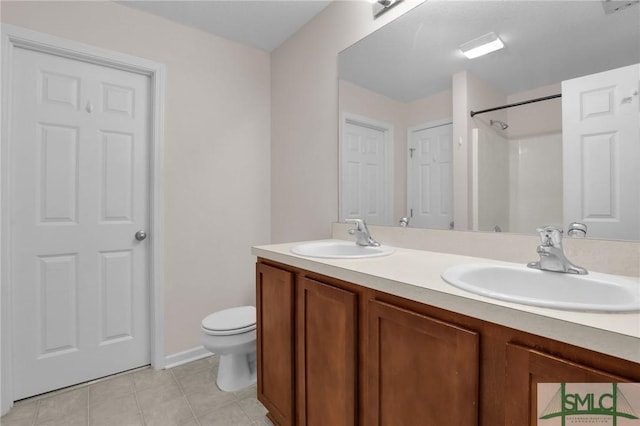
{"x": 141, "y": 235}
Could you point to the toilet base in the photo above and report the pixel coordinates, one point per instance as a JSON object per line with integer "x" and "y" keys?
{"x": 236, "y": 371}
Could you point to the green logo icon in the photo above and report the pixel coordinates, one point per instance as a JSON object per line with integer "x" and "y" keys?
{"x": 565, "y": 404}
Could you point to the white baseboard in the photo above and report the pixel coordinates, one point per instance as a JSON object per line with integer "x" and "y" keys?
{"x": 189, "y": 355}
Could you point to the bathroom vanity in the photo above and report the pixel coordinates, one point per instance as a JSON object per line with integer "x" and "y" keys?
{"x": 385, "y": 341}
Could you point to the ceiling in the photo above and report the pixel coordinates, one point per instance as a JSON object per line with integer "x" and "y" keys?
{"x": 262, "y": 24}
{"x": 546, "y": 42}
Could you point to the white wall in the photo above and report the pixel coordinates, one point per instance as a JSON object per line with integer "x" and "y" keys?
{"x": 432, "y": 108}
{"x": 493, "y": 181}
{"x": 304, "y": 120}
{"x": 538, "y": 118}
{"x": 536, "y": 198}
{"x": 217, "y": 138}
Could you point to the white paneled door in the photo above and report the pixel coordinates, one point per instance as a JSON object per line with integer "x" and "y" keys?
{"x": 79, "y": 194}
{"x": 430, "y": 177}
{"x": 601, "y": 152}
{"x": 366, "y": 172}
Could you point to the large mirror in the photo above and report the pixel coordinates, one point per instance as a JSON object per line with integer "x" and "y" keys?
{"x": 559, "y": 144}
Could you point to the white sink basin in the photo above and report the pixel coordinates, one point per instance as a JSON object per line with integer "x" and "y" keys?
{"x": 340, "y": 250}
{"x": 592, "y": 292}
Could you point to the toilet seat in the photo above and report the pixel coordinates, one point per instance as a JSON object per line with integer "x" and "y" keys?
{"x": 230, "y": 321}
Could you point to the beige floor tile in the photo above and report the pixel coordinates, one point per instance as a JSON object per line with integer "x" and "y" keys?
{"x": 263, "y": 421}
{"x": 198, "y": 382}
{"x": 22, "y": 413}
{"x": 252, "y": 408}
{"x": 110, "y": 388}
{"x": 71, "y": 419}
{"x": 149, "y": 399}
{"x": 228, "y": 415}
{"x": 71, "y": 404}
{"x": 191, "y": 422}
{"x": 210, "y": 399}
{"x": 16, "y": 422}
{"x": 149, "y": 378}
{"x": 123, "y": 406}
{"x": 120, "y": 419}
{"x": 170, "y": 413}
{"x": 196, "y": 367}
{"x": 249, "y": 391}
{"x": 184, "y": 396}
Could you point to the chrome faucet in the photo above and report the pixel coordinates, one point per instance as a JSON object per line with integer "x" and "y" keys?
{"x": 363, "y": 236}
{"x": 552, "y": 256}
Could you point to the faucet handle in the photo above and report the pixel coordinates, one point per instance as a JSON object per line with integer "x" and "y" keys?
{"x": 550, "y": 236}
{"x": 360, "y": 224}
{"x": 577, "y": 230}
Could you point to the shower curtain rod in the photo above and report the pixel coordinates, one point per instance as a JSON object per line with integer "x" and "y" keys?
{"x": 530, "y": 101}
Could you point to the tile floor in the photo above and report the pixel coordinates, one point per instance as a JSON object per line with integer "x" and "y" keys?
{"x": 182, "y": 396}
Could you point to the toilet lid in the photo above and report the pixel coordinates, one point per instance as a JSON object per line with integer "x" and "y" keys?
{"x": 231, "y": 321}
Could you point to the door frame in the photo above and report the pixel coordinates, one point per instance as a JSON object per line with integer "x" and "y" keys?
{"x": 389, "y": 144}
{"x": 410, "y": 131}
{"x": 18, "y": 37}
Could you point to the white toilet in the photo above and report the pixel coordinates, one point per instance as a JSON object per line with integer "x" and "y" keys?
{"x": 231, "y": 333}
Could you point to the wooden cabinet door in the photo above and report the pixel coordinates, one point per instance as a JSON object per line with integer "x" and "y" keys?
{"x": 275, "y": 342}
{"x": 527, "y": 367}
{"x": 327, "y": 350}
{"x": 419, "y": 370}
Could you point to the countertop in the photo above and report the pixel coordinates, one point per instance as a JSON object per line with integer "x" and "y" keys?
{"x": 415, "y": 275}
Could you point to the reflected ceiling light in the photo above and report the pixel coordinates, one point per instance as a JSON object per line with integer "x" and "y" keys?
{"x": 481, "y": 46}
{"x": 381, "y": 6}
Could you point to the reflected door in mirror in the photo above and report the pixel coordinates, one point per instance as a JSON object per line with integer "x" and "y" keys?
{"x": 431, "y": 177}
{"x": 601, "y": 153}
{"x": 366, "y": 171}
